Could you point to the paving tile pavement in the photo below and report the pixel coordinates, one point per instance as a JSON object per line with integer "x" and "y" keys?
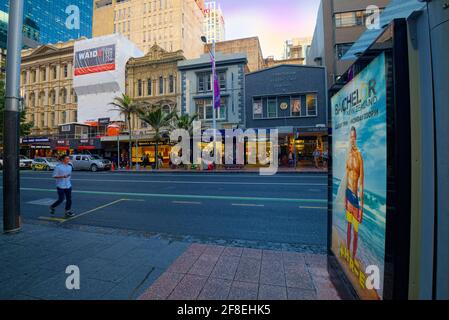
{"x": 112, "y": 266}
{"x": 208, "y": 272}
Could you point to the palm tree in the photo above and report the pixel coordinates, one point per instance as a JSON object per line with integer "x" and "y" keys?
{"x": 127, "y": 107}
{"x": 157, "y": 119}
{"x": 185, "y": 122}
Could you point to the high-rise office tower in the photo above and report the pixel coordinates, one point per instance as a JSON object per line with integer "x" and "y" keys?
{"x": 171, "y": 24}
{"x": 214, "y": 22}
{"x": 51, "y": 21}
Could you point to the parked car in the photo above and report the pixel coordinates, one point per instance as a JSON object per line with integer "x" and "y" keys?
{"x": 25, "y": 163}
{"x": 44, "y": 164}
{"x": 89, "y": 162}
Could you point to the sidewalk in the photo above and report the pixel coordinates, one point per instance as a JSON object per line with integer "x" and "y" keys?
{"x": 118, "y": 266}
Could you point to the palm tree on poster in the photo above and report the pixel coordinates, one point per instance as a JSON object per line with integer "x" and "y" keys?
{"x": 127, "y": 108}
{"x": 157, "y": 119}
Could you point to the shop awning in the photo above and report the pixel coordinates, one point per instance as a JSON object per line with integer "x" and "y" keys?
{"x": 62, "y": 148}
{"x": 86, "y": 148}
{"x": 397, "y": 9}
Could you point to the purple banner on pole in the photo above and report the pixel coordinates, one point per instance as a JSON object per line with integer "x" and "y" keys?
{"x": 217, "y": 96}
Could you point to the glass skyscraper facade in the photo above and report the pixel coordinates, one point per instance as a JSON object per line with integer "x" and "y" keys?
{"x": 45, "y": 20}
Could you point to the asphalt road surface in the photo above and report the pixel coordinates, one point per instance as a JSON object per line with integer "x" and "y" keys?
{"x": 282, "y": 209}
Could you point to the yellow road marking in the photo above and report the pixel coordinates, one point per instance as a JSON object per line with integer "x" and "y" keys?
{"x": 52, "y": 219}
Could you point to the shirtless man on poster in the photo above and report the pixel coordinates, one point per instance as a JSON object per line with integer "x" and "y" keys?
{"x": 354, "y": 183}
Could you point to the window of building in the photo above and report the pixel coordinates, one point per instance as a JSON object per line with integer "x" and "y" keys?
{"x": 272, "y": 108}
{"x": 311, "y": 102}
{"x": 341, "y": 49}
{"x": 66, "y": 71}
{"x": 296, "y": 107}
{"x": 222, "y": 80}
{"x": 64, "y": 117}
{"x": 171, "y": 83}
{"x": 55, "y": 73}
{"x": 33, "y": 76}
{"x": 161, "y": 85}
{"x": 42, "y": 120}
{"x": 205, "y": 110}
{"x": 349, "y": 19}
{"x": 257, "y": 109}
{"x": 43, "y": 73}
{"x": 52, "y": 120}
{"x": 139, "y": 88}
{"x": 149, "y": 87}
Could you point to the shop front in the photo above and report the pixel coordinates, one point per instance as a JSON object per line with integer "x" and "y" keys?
{"x": 36, "y": 147}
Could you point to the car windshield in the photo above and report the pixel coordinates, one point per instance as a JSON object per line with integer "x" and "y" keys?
{"x": 53, "y": 160}
{"x": 95, "y": 157}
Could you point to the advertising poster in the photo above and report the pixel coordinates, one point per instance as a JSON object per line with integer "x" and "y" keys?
{"x": 95, "y": 60}
{"x": 359, "y": 112}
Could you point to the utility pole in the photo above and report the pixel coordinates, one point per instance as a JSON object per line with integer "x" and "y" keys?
{"x": 11, "y": 177}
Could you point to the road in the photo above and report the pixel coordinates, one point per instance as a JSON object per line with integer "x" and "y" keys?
{"x": 282, "y": 209}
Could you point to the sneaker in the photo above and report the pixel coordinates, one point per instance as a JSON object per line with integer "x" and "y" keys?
{"x": 69, "y": 214}
{"x": 52, "y": 210}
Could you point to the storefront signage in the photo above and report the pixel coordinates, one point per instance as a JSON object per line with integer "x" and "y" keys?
{"x": 35, "y": 140}
{"x": 95, "y": 60}
{"x": 359, "y": 186}
{"x": 283, "y": 106}
{"x": 104, "y": 121}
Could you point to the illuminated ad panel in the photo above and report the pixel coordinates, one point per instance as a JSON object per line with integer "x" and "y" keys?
{"x": 359, "y": 186}
{"x": 95, "y": 60}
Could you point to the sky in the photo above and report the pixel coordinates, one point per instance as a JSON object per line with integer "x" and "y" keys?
{"x": 273, "y": 21}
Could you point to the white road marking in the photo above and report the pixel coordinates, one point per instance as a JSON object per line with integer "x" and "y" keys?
{"x": 247, "y": 205}
{"x": 317, "y": 208}
{"x": 186, "y": 202}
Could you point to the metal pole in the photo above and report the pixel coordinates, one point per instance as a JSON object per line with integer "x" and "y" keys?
{"x": 11, "y": 178}
{"x": 118, "y": 151}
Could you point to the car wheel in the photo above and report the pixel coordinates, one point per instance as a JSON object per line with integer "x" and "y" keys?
{"x": 94, "y": 168}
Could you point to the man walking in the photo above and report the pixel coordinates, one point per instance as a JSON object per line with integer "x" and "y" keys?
{"x": 62, "y": 174}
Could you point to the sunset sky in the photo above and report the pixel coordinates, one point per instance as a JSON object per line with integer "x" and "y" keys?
{"x": 274, "y": 21}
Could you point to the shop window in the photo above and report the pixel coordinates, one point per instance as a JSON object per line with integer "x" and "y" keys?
{"x": 271, "y": 108}
{"x": 311, "y": 102}
{"x": 296, "y": 107}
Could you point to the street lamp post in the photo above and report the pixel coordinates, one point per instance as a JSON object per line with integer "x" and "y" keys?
{"x": 11, "y": 185}
{"x": 214, "y": 117}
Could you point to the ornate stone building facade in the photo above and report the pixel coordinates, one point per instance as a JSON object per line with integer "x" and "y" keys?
{"x": 46, "y": 87}
{"x": 153, "y": 79}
